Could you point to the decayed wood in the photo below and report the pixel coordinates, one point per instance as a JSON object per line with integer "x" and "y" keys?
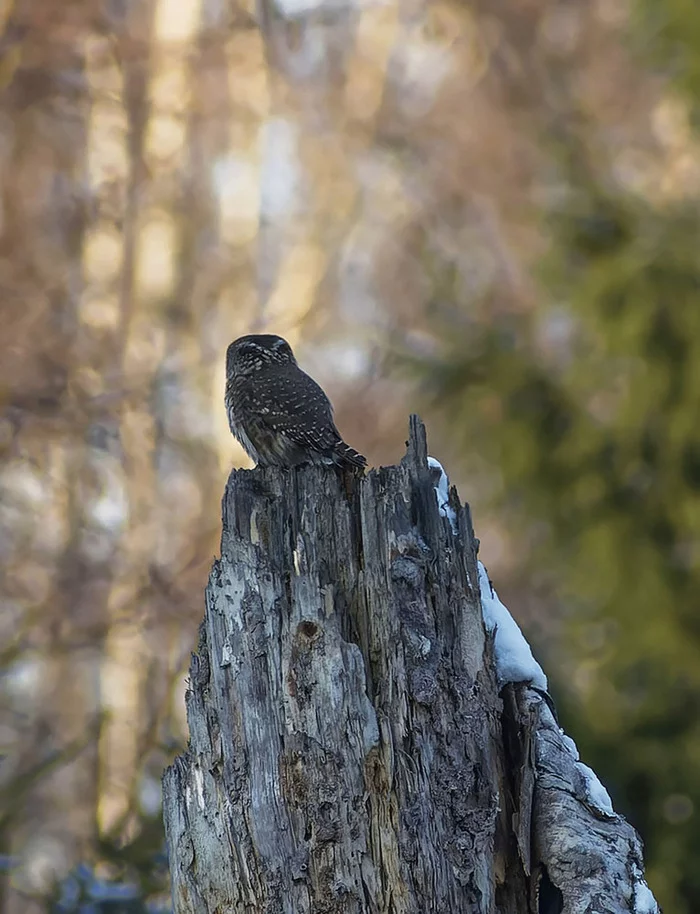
{"x": 349, "y": 751}
{"x": 583, "y": 860}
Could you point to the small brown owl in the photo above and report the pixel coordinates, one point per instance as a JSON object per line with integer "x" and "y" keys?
{"x": 278, "y": 413}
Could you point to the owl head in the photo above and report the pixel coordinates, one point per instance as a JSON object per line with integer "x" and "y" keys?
{"x": 256, "y": 350}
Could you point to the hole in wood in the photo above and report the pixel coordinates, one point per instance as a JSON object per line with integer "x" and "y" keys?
{"x": 308, "y": 629}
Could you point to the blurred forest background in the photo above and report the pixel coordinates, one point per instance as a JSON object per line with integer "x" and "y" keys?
{"x": 484, "y": 210}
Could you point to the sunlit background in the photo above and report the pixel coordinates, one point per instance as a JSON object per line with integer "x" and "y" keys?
{"x": 485, "y": 211}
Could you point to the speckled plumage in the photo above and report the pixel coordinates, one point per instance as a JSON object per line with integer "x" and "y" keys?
{"x": 278, "y": 413}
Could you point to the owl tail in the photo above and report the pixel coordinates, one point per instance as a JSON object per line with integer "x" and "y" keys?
{"x": 347, "y": 458}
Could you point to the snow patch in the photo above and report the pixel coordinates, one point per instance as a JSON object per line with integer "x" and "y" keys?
{"x": 570, "y": 744}
{"x": 442, "y": 492}
{"x": 643, "y": 900}
{"x": 514, "y": 660}
{"x": 596, "y": 794}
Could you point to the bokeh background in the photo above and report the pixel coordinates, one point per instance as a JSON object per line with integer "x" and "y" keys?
{"x": 482, "y": 210}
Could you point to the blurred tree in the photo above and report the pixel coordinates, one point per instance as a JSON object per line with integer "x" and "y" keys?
{"x": 669, "y": 32}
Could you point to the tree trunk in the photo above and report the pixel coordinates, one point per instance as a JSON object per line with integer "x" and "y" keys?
{"x": 350, "y": 751}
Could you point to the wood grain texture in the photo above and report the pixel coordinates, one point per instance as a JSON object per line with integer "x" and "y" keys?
{"x": 349, "y": 750}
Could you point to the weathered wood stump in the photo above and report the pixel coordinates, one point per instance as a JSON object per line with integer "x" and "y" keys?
{"x": 349, "y": 747}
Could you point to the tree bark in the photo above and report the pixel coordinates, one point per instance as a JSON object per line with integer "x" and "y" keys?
{"x": 350, "y": 751}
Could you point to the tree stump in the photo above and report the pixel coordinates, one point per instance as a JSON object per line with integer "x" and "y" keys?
{"x": 349, "y": 747}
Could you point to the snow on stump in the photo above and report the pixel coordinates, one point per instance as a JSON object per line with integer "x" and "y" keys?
{"x": 363, "y": 738}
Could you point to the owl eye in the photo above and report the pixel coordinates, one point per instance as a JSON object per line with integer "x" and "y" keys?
{"x": 249, "y": 347}
{"x": 282, "y": 350}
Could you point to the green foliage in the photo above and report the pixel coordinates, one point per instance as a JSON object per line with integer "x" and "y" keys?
{"x": 669, "y": 35}
{"x": 599, "y": 438}
{"x": 597, "y": 435}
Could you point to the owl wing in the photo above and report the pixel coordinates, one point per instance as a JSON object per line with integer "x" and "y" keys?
{"x": 293, "y": 405}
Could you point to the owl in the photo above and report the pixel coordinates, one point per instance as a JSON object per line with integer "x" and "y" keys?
{"x": 278, "y": 413}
